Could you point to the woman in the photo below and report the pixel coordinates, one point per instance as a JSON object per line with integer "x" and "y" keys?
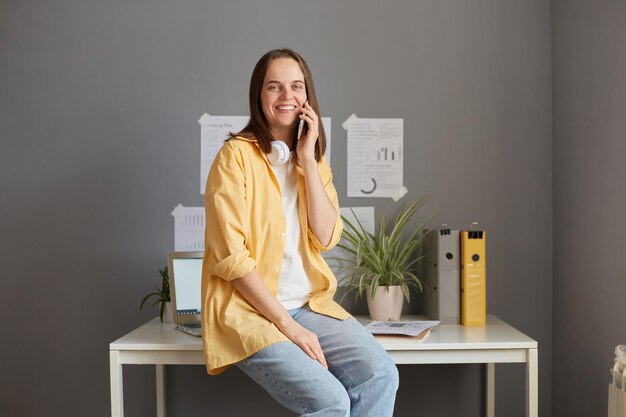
{"x": 268, "y": 307}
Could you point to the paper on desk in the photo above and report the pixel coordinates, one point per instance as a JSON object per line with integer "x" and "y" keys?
{"x": 408, "y": 328}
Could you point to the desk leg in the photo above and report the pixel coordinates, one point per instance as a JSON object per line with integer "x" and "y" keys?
{"x": 160, "y": 390}
{"x": 490, "y": 389}
{"x": 532, "y": 384}
{"x": 117, "y": 384}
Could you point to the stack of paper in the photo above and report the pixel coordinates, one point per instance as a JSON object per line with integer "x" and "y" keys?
{"x": 407, "y": 328}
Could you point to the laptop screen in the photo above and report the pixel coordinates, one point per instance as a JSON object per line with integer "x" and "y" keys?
{"x": 188, "y": 281}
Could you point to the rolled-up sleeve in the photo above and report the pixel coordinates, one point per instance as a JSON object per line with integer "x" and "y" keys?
{"x": 327, "y": 179}
{"x": 227, "y": 221}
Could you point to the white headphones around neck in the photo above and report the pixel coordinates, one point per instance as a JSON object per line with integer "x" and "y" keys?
{"x": 280, "y": 153}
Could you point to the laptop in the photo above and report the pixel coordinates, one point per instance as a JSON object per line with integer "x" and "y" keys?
{"x": 185, "y": 272}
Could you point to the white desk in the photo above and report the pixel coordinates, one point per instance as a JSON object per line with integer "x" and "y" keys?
{"x": 160, "y": 344}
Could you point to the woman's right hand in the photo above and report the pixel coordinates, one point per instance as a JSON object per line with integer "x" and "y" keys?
{"x": 253, "y": 289}
{"x": 305, "y": 339}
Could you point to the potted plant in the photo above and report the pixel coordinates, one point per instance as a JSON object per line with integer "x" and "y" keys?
{"x": 162, "y": 296}
{"x": 382, "y": 265}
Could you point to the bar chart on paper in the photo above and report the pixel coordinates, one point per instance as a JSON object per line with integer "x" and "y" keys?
{"x": 189, "y": 224}
{"x": 387, "y": 153}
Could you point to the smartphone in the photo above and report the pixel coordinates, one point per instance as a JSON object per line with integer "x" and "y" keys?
{"x": 300, "y": 129}
{"x": 301, "y": 126}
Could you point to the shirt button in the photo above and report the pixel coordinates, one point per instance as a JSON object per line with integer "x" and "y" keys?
{"x": 275, "y": 269}
{"x": 282, "y": 234}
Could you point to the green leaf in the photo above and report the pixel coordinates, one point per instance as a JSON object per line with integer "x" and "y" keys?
{"x": 163, "y": 293}
{"x": 146, "y": 298}
{"x": 407, "y": 294}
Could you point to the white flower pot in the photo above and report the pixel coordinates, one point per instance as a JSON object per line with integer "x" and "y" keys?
{"x": 168, "y": 316}
{"x": 386, "y": 305}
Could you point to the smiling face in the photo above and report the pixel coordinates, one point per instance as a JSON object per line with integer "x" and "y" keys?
{"x": 282, "y": 96}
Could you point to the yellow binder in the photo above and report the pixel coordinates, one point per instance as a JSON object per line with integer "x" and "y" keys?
{"x": 473, "y": 278}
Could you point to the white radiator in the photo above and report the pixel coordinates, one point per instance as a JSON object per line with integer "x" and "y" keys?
{"x": 617, "y": 387}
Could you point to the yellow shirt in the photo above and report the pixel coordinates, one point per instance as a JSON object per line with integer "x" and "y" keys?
{"x": 245, "y": 229}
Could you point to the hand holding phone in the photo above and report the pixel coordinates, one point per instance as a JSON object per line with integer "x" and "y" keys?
{"x": 308, "y": 134}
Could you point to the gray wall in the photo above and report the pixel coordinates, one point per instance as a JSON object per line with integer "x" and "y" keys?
{"x": 590, "y": 201}
{"x": 99, "y": 108}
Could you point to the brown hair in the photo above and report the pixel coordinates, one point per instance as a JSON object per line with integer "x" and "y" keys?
{"x": 257, "y": 127}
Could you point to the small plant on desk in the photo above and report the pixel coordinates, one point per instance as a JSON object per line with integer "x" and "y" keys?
{"x": 162, "y": 295}
{"x": 382, "y": 265}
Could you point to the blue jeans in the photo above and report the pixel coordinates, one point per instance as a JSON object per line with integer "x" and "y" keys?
{"x": 361, "y": 380}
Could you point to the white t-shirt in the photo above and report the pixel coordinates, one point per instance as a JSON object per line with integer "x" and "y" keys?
{"x": 294, "y": 286}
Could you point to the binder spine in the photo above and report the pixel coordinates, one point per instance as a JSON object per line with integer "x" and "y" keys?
{"x": 431, "y": 263}
{"x": 442, "y": 296}
{"x": 473, "y": 279}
